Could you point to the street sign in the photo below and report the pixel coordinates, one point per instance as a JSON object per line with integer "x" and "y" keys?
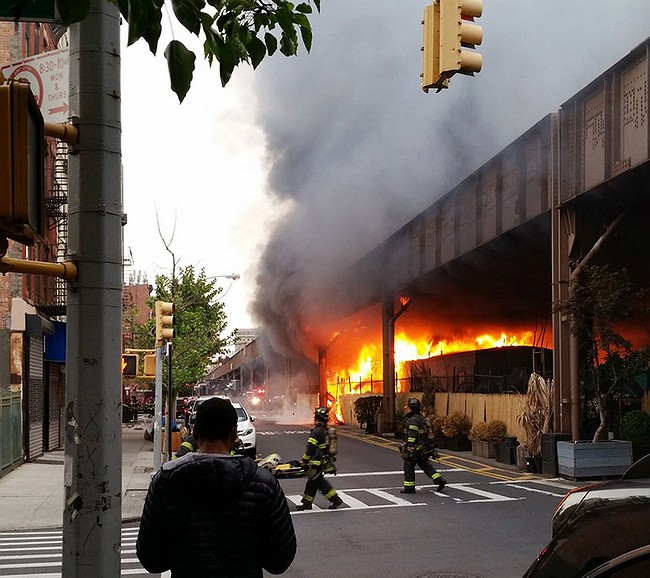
{"x": 48, "y": 76}
{"x": 29, "y": 10}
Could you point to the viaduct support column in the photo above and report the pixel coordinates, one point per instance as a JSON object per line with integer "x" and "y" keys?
{"x": 388, "y": 365}
{"x": 562, "y": 235}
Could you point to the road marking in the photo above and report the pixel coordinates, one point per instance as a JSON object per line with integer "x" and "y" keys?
{"x": 487, "y": 496}
{"x": 275, "y": 433}
{"x": 536, "y": 491}
{"x": 391, "y": 473}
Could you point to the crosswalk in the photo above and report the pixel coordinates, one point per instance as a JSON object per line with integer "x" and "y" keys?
{"x": 458, "y": 493}
{"x": 38, "y": 553}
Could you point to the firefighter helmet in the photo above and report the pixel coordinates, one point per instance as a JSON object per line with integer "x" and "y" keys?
{"x": 321, "y": 414}
{"x": 414, "y": 404}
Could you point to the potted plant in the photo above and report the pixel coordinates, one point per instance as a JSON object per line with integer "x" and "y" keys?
{"x": 439, "y": 436}
{"x": 535, "y": 419}
{"x": 635, "y": 427}
{"x": 479, "y": 437}
{"x": 599, "y": 299}
{"x": 365, "y": 410}
{"x": 456, "y": 428}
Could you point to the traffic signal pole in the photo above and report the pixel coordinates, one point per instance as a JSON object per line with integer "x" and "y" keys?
{"x": 93, "y": 440}
{"x": 158, "y": 405}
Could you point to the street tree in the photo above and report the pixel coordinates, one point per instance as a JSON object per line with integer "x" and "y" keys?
{"x": 233, "y": 31}
{"x": 199, "y": 324}
{"x": 599, "y": 299}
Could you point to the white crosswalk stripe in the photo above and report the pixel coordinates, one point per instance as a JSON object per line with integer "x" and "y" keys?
{"x": 277, "y": 433}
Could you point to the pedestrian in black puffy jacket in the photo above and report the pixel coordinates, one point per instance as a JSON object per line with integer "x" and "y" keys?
{"x": 210, "y": 514}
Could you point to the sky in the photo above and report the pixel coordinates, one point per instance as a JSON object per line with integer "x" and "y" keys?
{"x": 294, "y": 171}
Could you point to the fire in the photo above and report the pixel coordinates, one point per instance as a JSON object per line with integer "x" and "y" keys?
{"x": 366, "y": 373}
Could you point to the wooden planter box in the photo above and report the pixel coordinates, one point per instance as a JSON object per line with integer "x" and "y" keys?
{"x": 586, "y": 459}
{"x": 483, "y": 449}
{"x": 459, "y": 443}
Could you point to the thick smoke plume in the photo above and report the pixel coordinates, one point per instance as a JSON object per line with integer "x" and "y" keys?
{"x": 360, "y": 149}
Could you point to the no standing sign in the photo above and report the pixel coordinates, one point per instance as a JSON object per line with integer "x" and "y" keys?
{"x": 48, "y": 76}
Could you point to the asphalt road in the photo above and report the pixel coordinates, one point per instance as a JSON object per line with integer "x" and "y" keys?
{"x": 487, "y": 523}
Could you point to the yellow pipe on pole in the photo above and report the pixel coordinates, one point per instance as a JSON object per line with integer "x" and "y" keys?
{"x": 66, "y": 270}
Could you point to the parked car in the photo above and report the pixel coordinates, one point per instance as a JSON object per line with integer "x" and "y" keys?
{"x": 245, "y": 428}
{"x": 601, "y": 530}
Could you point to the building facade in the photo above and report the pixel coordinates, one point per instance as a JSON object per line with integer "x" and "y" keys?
{"x": 32, "y": 307}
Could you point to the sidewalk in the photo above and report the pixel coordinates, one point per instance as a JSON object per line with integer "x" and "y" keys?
{"x": 32, "y": 496}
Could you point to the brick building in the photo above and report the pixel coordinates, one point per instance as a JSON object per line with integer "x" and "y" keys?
{"x": 32, "y": 307}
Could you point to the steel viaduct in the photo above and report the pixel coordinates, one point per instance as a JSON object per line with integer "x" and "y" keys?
{"x": 505, "y": 242}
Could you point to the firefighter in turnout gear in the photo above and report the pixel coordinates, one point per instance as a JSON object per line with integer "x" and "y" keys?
{"x": 318, "y": 461}
{"x": 416, "y": 449}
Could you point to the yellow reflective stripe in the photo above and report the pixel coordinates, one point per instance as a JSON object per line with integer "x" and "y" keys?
{"x": 313, "y": 441}
{"x": 315, "y": 462}
{"x": 413, "y": 426}
{"x": 409, "y": 484}
{"x": 410, "y": 440}
{"x": 305, "y": 457}
{"x": 330, "y": 494}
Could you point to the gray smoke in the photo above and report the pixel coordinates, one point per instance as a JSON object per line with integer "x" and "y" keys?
{"x": 361, "y": 149}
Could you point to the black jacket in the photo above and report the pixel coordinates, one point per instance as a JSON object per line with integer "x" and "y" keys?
{"x": 415, "y": 431}
{"x": 214, "y": 516}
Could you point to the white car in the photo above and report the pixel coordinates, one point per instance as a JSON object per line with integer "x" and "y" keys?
{"x": 245, "y": 428}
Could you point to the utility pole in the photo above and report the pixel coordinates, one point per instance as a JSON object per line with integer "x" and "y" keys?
{"x": 93, "y": 444}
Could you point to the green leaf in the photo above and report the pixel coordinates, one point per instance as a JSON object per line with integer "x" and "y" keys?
{"x": 304, "y": 8}
{"x": 188, "y": 13}
{"x": 271, "y": 43}
{"x": 180, "y": 62}
{"x": 307, "y": 37}
{"x": 144, "y": 22}
{"x": 256, "y": 50}
{"x": 288, "y": 46}
{"x": 72, "y": 11}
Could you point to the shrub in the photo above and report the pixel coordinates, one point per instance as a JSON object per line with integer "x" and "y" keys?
{"x": 635, "y": 426}
{"x": 496, "y": 431}
{"x": 436, "y": 425}
{"x": 365, "y": 409}
{"x": 456, "y": 424}
{"x": 479, "y": 432}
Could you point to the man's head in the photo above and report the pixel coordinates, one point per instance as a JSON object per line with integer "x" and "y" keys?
{"x": 413, "y": 405}
{"x": 321, "y": 415}
{"x": 216, "y": 420}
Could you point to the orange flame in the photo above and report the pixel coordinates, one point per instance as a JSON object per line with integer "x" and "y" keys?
{"x": 362, "y": 375}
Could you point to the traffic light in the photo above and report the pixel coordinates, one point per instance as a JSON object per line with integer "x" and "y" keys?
{"x": 129, "y": 365}
{"x": 149, "y": 365}
{"x": 431, "y": 50}
{"x": 164, "y": 321}
{"x": 458, "y": 34}
{"x": 22, "y": 165}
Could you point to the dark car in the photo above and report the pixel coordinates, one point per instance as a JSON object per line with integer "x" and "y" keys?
{"x": 602, "y": 530}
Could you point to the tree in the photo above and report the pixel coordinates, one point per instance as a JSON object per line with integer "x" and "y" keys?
{"x": 199, "y": 321}
{"x": 234, "y": 31}
{"x": 599, "y": 298}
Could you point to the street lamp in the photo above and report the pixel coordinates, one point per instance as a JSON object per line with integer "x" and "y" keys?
{"x": 231, "y": 276}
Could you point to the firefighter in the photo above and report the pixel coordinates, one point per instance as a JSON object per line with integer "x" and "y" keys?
{"x": 415, "y": 450}
{"x": 189, "y": 445}
{"x": 318, "y": 462}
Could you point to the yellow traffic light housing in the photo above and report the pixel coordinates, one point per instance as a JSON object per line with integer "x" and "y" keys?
{"x": 129, "y": 365}
{"x": 458, "y": 34}
{"x": 431, "y": 50}
{"x": 22, "y": 166}
{"x": 164, "y": 321}
{"x": 149, "y": 366}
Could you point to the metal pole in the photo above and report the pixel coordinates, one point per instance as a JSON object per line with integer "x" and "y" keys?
{"x": 157, "y": 424}
{"x": 93, "y": 444}
{"x": 170, "y": 401}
